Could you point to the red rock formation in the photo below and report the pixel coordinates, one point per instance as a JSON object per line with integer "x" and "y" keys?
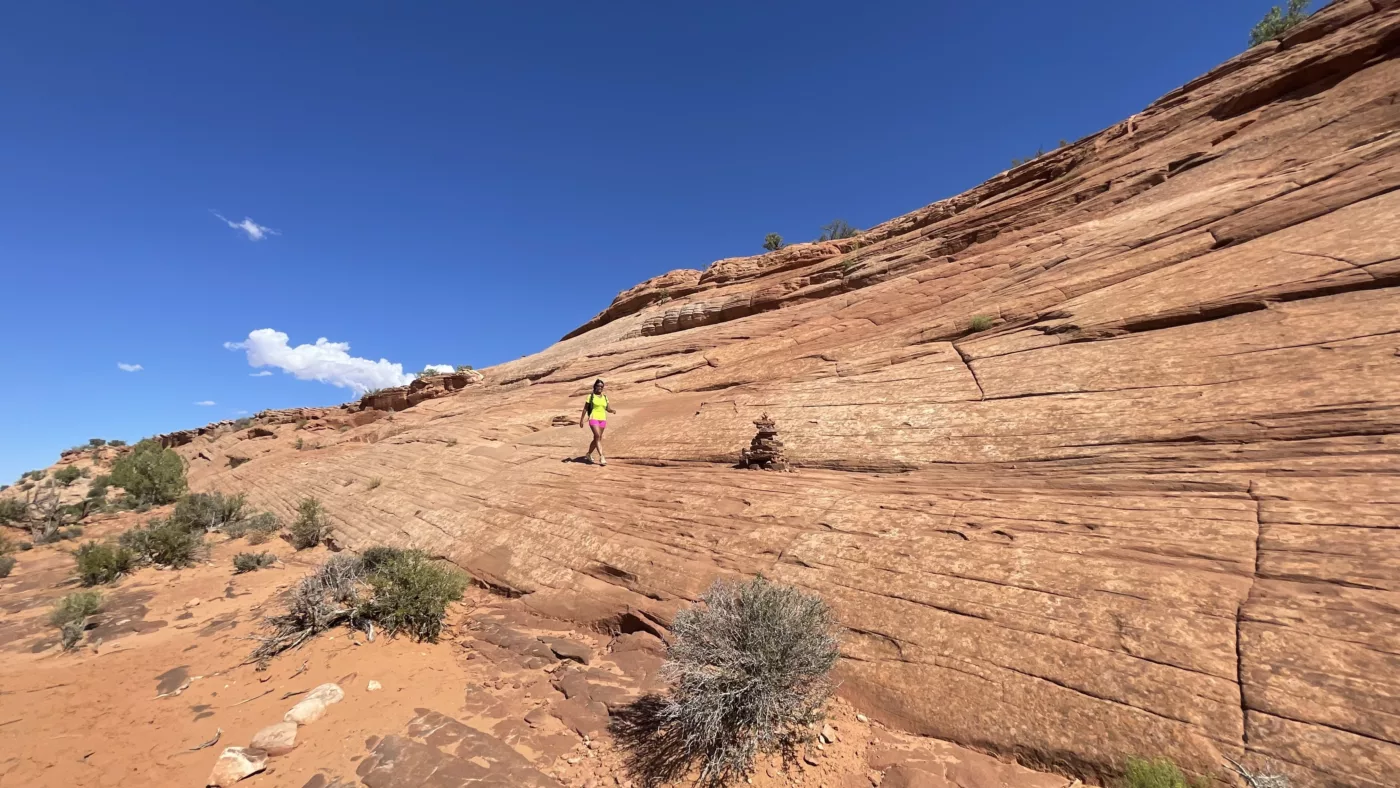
{"x": 1150, "y": 511}
{"x": 424, "y": 388}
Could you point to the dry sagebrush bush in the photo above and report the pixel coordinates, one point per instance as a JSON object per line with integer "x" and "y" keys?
{"x": 748, "y": 672}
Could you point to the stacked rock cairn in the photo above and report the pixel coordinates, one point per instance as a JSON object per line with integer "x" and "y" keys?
{"x": 765, "y": 451}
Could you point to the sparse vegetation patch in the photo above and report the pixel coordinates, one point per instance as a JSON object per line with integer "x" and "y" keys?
{"x": 409, "y": 592}
{"x": 748, "y": 674}
{"x": 103, "y": 563}
{"x": 150, "y": 474}
{"x": 837, "y": 230}
{"x": 1278, "y": 21}
{"x": 399, "y": 591}
{"x": 311, "y": 527}
{"x": 251, "y": 562}
{"x": 12, "y": 510}
{"x": 1158, "y": 773}
{"x": 258, "y": 528}
{"x": 70, "y": 614}
{"x": 67, "y": 475}
{"x": 164, "y": 543}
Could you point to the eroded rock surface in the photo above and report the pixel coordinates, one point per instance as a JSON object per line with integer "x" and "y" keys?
{"x": 1152, "y": 509}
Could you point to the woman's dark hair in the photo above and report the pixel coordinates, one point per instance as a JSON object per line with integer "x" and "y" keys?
{"x": 597, "y": 383}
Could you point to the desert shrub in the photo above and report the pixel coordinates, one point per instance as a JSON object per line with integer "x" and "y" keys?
{"x": 772, "y": 242}
{"x": 7, "y": 545}
{"x": 12, "y": 510}
{"x": 310, "y": 528}
{"x": 27, "y": 486}
{"x": 409, "y": 592}
{"x": 208, "y": 511}
{"x": 67, "y": 475}
{"x": 242, "y": 424}
{"x": 117, "y": 443}
{"x": 36, "y": 475}
{"x": 71, "y": 532}
{"x": 837, "y": 230}
{"x": 26, "y": 546}
{"x": 164, "y": 543}
{"x": 234, "y": 462}
{"x": 97, "y": 443}
{"x": 70, "y": 615}
{"x": 400, "y": 591}
{"x": 299, "y": 445}
{"x": 979, "y": 323}
{"x": 251, "y": 562}
{"x": 7, "y": 564}
{"x": 150, "y": 474}
{"x": 1258, "y": 779}
{"x": 373, "y": 483}
{"x": 323, "y": 599}
{"x": 260, "y": 526}
{"x": 103, "y": 563}
{"x": 1278, "y": 21}
{"x": 1038, "y": 153}
{"x": 98, "y": 487}
{"x": 748, "y": 675}
{"x": 464, "y": 367}
{"x": 1157, "y": 773}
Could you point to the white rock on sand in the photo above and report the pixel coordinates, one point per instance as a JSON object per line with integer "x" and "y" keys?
{"x": 236, "y": 763}
{"x": 277, "y": 739}
{"x": 306, "y": 712}
{"x": 327, "y": 694}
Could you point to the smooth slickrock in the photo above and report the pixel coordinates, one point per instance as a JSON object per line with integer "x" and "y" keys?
{"x": 1150, "y": 511}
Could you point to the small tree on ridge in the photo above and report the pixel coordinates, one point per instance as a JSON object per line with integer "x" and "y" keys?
{"x": 1277, "y": 22}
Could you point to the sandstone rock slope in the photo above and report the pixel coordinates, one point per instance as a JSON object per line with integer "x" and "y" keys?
{"x": 1096, "y": 459}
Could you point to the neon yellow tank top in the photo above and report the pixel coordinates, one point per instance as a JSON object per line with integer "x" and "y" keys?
{"x": 598, "y": 407}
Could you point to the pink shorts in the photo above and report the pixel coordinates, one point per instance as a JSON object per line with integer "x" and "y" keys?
{"x": 599, "y": 423}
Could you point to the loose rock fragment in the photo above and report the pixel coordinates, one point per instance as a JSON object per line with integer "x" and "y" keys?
{"x": 234, "y": 764}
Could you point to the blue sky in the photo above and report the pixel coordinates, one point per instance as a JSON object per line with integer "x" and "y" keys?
{"x": 464, "y": 183}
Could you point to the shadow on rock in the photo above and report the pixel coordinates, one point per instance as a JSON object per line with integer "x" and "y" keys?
{"x": 655, "y": 747}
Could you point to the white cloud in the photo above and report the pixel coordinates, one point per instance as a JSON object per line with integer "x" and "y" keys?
{"x": 240, "y": 413}
{"x": 444, "y": 369}
{"x": 206, "y": 403}
{"x": 263, "y": 374}
{"x": 128, "y": 367}
{"x": 255, "y": 231}
{"x": 325, "y": 361}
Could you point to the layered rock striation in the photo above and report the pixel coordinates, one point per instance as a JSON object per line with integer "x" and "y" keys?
{"x": 1153, "y": 509}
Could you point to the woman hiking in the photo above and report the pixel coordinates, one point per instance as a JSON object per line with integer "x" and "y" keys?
{"x": 596, "y": 410}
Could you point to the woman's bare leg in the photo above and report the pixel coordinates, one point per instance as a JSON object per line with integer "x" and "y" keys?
{"x": 597, "y": 444}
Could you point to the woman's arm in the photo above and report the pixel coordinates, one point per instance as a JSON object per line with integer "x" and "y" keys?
{"x": 610, "y": 409}
{"x": 583, "y": 417}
